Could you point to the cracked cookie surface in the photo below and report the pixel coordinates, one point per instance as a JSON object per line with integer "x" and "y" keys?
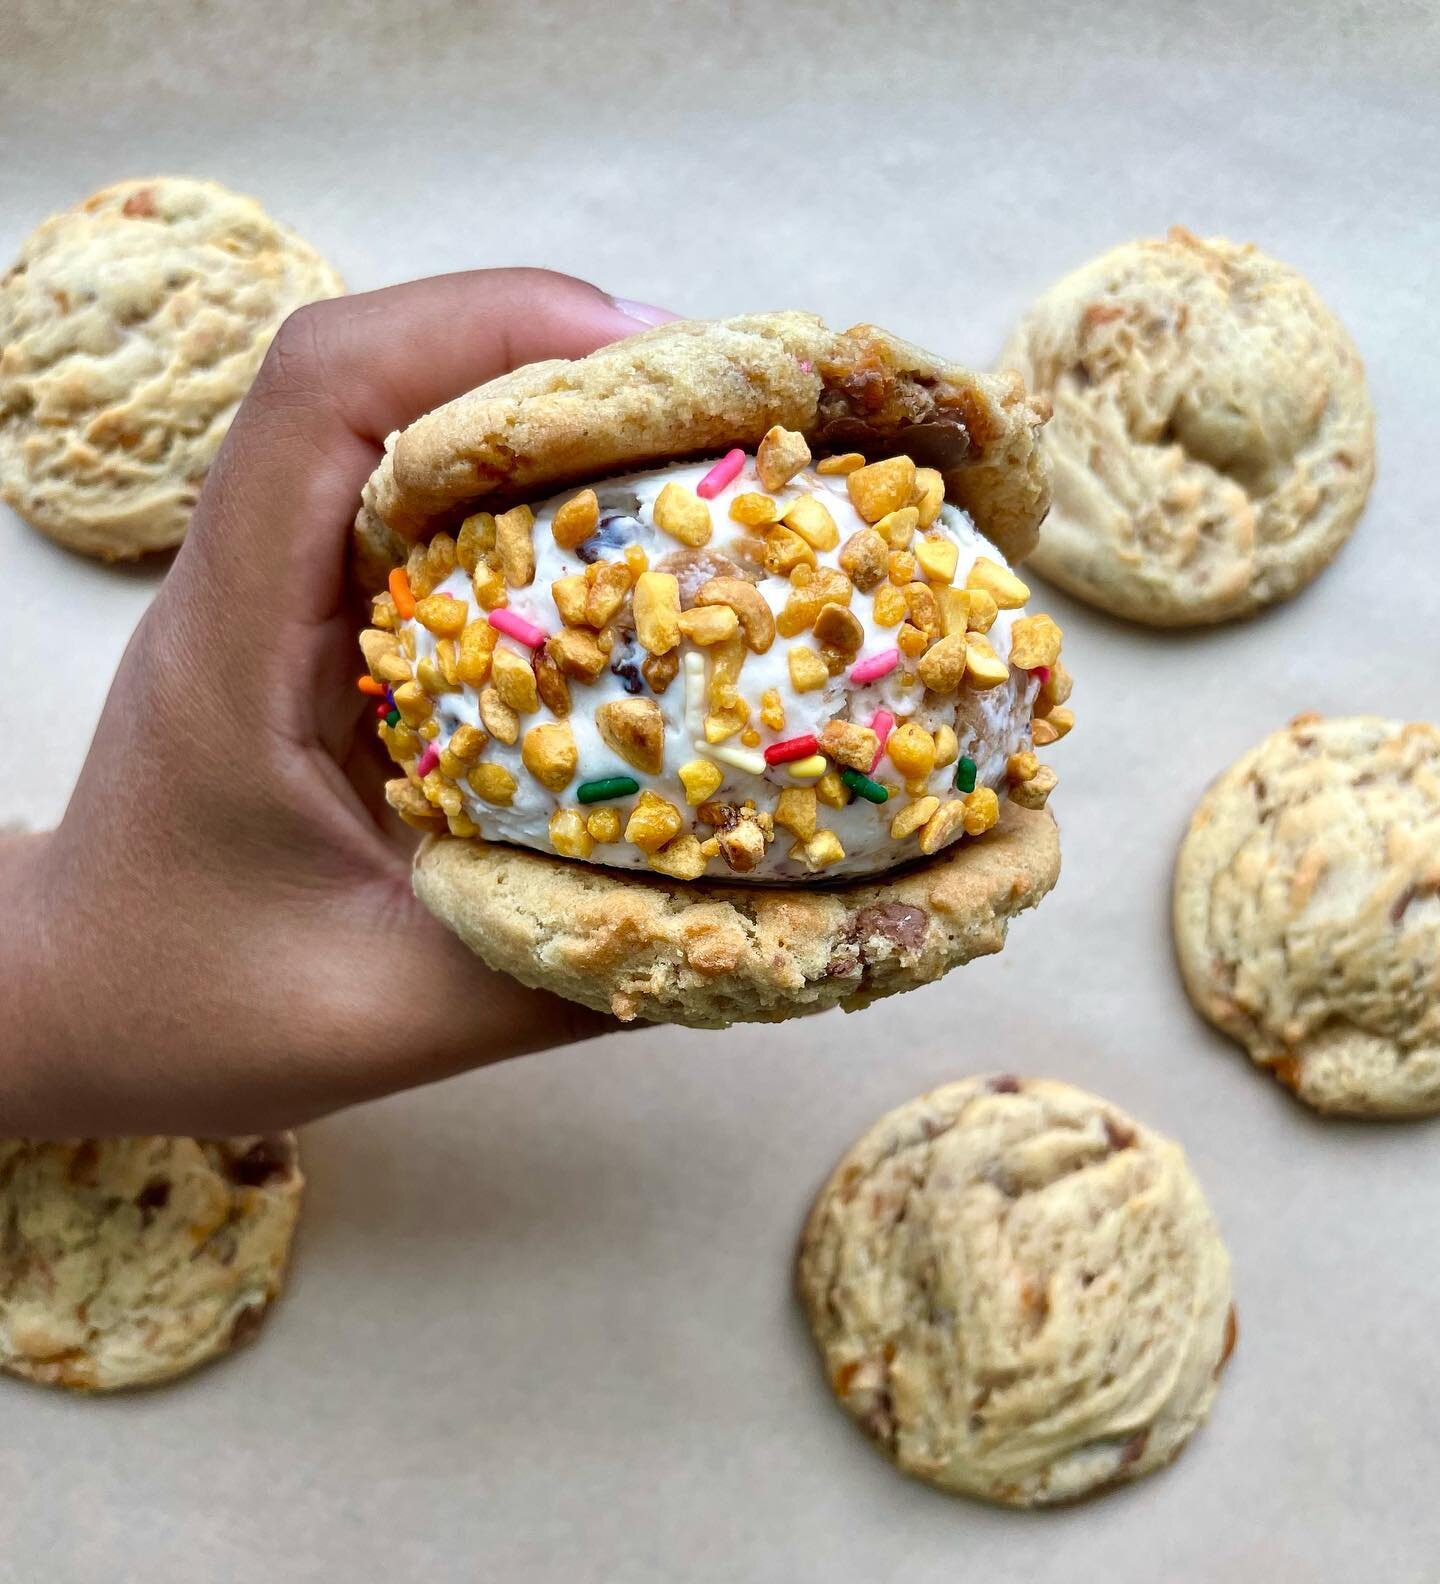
{"x": 131, "y": 327}
{"x": 1307, "y": 912}
{"x": 1018, "y": 1291}
{"x": 1212, "y": 443}
{"x": 128, "y": 1261}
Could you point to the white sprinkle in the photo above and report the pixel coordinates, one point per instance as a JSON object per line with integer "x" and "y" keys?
{"x": 695, "y": 693}
{"x": 745, "y": 759}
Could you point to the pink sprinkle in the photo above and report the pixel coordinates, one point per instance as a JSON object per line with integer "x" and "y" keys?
{"x": 516, "y": 627}
{"x": 875, "y": 666}
{"x": 806, "y": 365}
{"x": 882, "y": 723}
{"x": 721, "y": 474}
{"x": 428, "y": 760}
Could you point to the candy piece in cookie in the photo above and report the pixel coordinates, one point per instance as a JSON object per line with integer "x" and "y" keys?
{"x": 130, "y": 1261}
{"x": 1307, "y": 912}
{"x": 130, "y": 328}
{"x": 713, "y": 632}
{"x": 1018, "y": 1292}
{"x": 1212, "y": 440}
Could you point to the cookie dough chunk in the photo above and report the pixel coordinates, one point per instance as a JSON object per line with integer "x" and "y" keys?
{"x": 1212, "y": 442}
{"x": 129, "y": 1261}
{"x": 1018, "y": 1291}
{"x": 130, "y": 328}
{"x": 1307, "y": 912}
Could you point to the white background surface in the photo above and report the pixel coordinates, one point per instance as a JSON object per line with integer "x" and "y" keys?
{"x": 540, "y": 1325}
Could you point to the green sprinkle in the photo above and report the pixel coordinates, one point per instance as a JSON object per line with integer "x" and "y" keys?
{"x": 393, "y": 718}
{"x": 864, "y": 787}
{"x": 604, "y": 790}
{"x": 965, "y": 774}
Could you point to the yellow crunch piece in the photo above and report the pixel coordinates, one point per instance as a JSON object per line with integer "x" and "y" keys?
{"x": 430, "y": 677}
{"x": 548, "y": 752}
{"x": 831, "y": 790}
{"x": 681, "y": 513}
{"x": 635, "y": 729}
{"x": 441, "y": 615}
{"x": 476, "y": 540}
{"x": 982, "y": 810}
{"x": 569, "y": 835}
{"x": 653, "y": 821}
{"x": 839, "y": 628}
{"x": 754, "y": 511}
{"x": 983, "y": 667}
{"x": 947, "y": 746}
{"x": 929, "y": 495}
{"x": 1001, "y": 584}
{"x": 604, "y": 824}
{"x": 1055, "y": 689}
{"x": 797, "y": 812}
{"x": 911, "y": 641}
{"x": 809, "y": 518}
{"x": 1060, "y": 721}
{"x": 681, "y": 859}
{"x": 890, "y": 606}
{"x": 850, "y": 745}
{"x": 575, "y": 520}
{"x": 780, "y": 456}
{"x": 982, "y": 610}
{"x": 702, "y": 779}
{"x": 882, "y": 487}
{"x": 514, "y": 680}
{"x": 1034, "y": 641}
{"x": 911, "y": 750}
{"x": 943, "y": 826}
{"x": 569, "y": 594}
{"x": 897, "y": 528}
{"x": 822, "y": 850}
{"x": 938, "y": 558}
{"x": 1022, "y": 767}
{"x": 493, "y": 783}
{"x": 477, "y": 648}
{"x": 772, "y": 710}
{"x": 1032, "y": 794}
{"x": 514, "y": 539}
{"x": 489, "y": 587}
{"x": 847, "y": 462}
{"x": 393, "y": 668}
{"x": 924, "y": 608}
{"x": 913, "y": 816}
{"x": 577, "y": 653}
{"x": 709, "y": 624}
{"x": 657, "y": 611}
{"x": 500, "y": 720}
{"x": 864, "y": 558}
{"x": 607, "y": 584}
{"x": 942, "y": 667}
{"x": 954, "y": 607}
{"x": 413, "y": 703}
{"x": 785, "y": 550}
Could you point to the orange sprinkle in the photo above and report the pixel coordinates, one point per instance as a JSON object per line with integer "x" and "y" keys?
{"x": 400, "y": 593}
{"x": 368, "y": 684}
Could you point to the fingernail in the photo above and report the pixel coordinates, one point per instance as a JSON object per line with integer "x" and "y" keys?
{"x": 646, "y": 313}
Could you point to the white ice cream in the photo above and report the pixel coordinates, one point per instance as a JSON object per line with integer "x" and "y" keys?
{"x": 990, "y": 725}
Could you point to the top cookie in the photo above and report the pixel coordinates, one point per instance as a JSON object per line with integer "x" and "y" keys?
{"x": 130, "y": 328}
{"x": 1019, "y": 1292}
{"x": 699, "y": 387}
{"x": 1213, "y": 440}
{"x": 1307, "y": 911}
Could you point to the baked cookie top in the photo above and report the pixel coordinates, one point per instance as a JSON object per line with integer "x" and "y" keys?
{"x": 1213, "y": 439}
{"x": 1018, "y": 1291}
{"x": 1307, "y": 911}
{"x": 130, "y": 328}
{"x": 129, "y": 1261}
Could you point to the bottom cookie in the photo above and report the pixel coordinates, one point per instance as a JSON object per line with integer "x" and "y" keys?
{"x": 710, "y": 955}
{"x": 1018, "y": 1291}
{"x": 126, "y": 1262}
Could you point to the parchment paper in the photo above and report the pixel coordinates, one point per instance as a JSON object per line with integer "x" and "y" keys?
{"x": 541, "y": 1325}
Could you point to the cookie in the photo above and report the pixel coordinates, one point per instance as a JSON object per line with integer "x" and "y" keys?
{"x": 128, "y": 1261}
{"x": 709, "y": 955}
{"x": 1213, "y": 440}
{"x": 1307, "y": 912}
{"x": 698, "y": 386}
{"x": 1018, "y": 1291}
{"x": 130, "y": 328}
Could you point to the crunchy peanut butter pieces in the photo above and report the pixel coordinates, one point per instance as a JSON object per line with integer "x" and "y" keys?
{"x": 635, "y": 729}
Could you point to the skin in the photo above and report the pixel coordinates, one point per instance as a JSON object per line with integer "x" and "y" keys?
{"x": 221, "y": 936}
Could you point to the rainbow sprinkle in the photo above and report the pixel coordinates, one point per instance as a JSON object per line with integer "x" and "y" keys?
{"x": 792, "y": 748}
{"x": 516, "y": 627}
{"x": 810, "y": 769}
{"x": 882, "y": 723}
{"x": 875, "y": 666}
{"x": 965, "y": 774}
{"x": 863, "y": 786}
{"x": 427, "y": 761}
{"x": 723, "y": 473}
{"x": 607, "y": 788}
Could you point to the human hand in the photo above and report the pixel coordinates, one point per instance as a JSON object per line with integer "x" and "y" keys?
{"x": 221, "y": 935}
